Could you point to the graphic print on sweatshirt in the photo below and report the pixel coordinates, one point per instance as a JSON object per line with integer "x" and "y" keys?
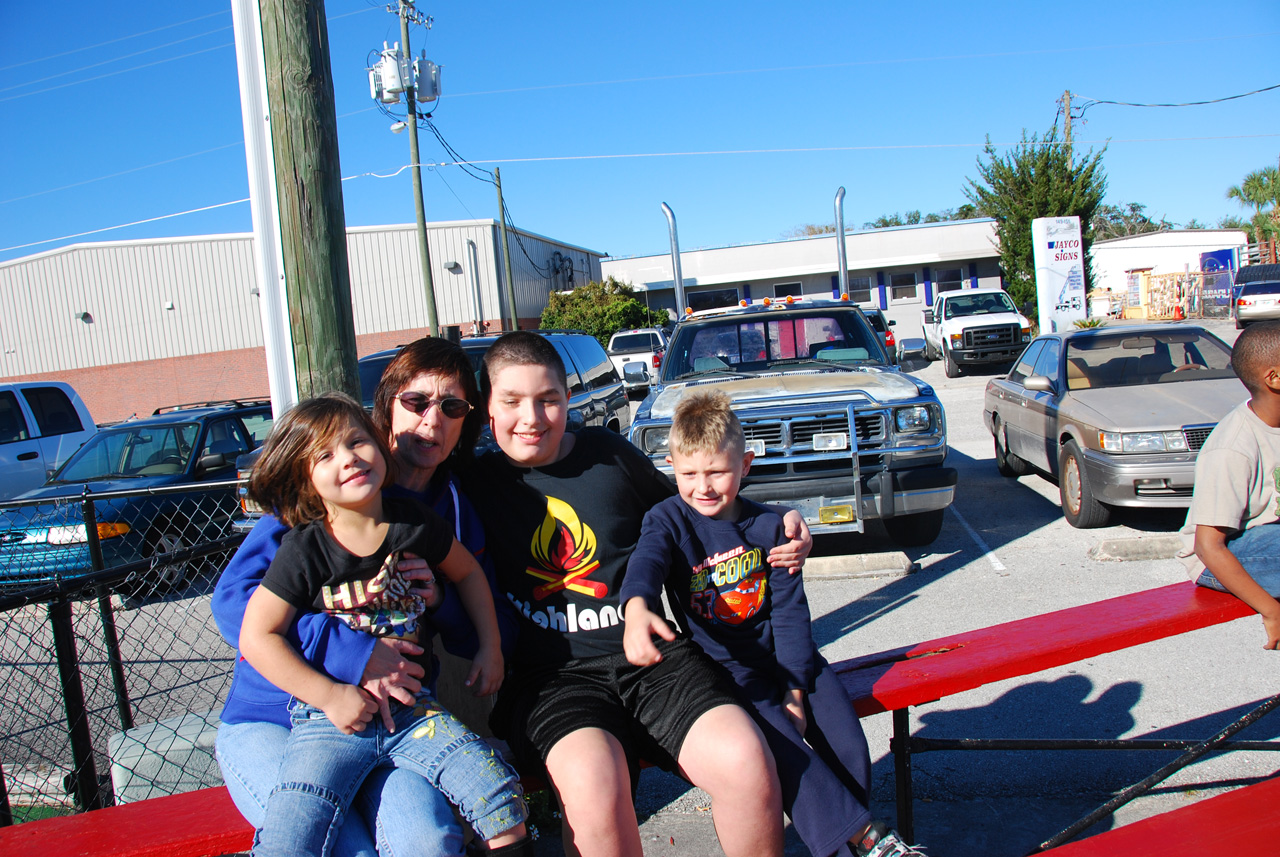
{"x": 729, "y": 587}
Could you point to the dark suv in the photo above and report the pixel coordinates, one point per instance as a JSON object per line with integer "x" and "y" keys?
{"x": 596, "y": 394}
{"x": 146, "y": 477}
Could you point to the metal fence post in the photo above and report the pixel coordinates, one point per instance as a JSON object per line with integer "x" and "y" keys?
{"x": 6, "y": 814}
{"x": 84, "y": 775}
{"x": 109, "y": 635}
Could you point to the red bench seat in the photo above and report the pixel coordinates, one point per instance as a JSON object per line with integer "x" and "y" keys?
{"x": 1242, "y": 821}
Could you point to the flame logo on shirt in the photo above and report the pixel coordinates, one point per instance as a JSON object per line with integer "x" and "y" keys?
{"x": 564, "y": 549}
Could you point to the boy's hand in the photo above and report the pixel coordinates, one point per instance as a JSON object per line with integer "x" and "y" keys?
{"x": 637, "y": 640}
{"x": 485, "y": 676}
{"x": 793, "y": 702}
{"x": 349, "y": 708}
{"x": 414, "y": 568}
{"x": 792, "y": 554}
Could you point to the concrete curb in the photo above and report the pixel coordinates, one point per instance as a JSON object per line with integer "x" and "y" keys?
{"x": 1148, "y": 547}
{"x": 888, "y": 564}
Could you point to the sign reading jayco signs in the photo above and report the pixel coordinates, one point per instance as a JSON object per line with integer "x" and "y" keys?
{"x": 1059, "y": 259}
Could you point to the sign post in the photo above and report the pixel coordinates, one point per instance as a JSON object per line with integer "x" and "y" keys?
{"x": 1059, "y": 260}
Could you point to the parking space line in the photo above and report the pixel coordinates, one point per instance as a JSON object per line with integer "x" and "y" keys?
{"x": 982, "y": 545}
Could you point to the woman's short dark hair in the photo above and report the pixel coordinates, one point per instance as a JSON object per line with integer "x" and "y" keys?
{"x": 281, "y": 478}
{"x": 437, "y": 357}
{"x": 521, "y": 348}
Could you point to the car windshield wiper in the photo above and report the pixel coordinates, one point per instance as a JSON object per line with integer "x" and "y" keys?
{"x": 716, "y": 371}
{"x": 813, "y": 361}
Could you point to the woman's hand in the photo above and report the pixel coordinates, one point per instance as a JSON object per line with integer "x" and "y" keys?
{"x": 412, "y": 567}
{"x": 485, "y": 676}
{"x": 792, "y": 554}
{"x": 389, "y": 674}
{"x": 349, "y": 708}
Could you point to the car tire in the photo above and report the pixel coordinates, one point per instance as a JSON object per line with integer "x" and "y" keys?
{"x": 1079, "y": 506}
{"x": 172, "y": 576}
{"x": 949, "y": 364}
{"x": 1007, "y": 463}
{"x": 914, "y": 531}
{"x": 1239, "y": 324}
{"x": 929, "y": 353}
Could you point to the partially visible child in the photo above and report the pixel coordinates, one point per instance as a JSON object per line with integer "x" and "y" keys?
{"x": 1230, "y": 540}
{"x": 708, "y": 546}
{"x": 323, "y": 470}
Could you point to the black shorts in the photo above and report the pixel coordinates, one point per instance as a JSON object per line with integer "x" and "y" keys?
{"x": 649, "y": 710}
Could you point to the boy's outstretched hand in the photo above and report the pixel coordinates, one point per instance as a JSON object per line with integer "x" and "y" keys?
{"x": 641, "y": 624}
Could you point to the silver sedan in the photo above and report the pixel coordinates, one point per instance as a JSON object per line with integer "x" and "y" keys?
{"x": 1116, "y": 415}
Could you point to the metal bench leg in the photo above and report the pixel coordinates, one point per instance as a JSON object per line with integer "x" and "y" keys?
{"x": 1138, "y": 789}
{"x": 900, "y": 745}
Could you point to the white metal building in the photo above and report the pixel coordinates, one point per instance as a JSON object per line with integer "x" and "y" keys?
{"x": 1170, "y": 251}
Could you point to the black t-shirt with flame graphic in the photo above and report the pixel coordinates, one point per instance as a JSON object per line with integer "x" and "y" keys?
{"x": 560, "y": 537}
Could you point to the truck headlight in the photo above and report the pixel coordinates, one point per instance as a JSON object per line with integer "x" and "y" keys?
{"x": 654, "y": 440}
{"x": 914, "y": 418}
{"x": 957, "y": 340}
{"x": 1142, "y": 441}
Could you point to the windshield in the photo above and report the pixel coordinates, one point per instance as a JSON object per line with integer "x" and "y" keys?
{"x": 753, "y": 343}
{"x": 988, "y": 304}
{"x": 1130, "y": 359}
{"x": 141, "y": 451}
{"x": 635, "y": 342}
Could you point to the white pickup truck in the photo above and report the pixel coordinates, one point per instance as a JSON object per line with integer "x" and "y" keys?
{"x": 971, "y": 326}
{"x": 641, "y": 349}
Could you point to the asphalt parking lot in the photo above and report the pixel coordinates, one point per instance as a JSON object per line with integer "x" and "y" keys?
{"x": 1005, "y": 553}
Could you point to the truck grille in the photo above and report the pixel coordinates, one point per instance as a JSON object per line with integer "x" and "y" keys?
{"x": 796, "y": 433}
{"x": 994, "y": 336}
{"x": 1196, "y": 436}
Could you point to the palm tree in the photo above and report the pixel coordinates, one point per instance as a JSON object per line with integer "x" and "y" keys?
{"x": 1260, "y": 188}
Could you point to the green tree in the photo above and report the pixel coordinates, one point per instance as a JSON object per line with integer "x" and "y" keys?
{"x": 1036, "y": 178}
{"x": 1117, "y": 221}
{"x": 808, "y": 230}
{"x": 1260, "y": 190}
{"x": 600, "y": 309}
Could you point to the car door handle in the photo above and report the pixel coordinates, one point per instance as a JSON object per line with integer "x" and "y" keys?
{"x": 27, "y": 456}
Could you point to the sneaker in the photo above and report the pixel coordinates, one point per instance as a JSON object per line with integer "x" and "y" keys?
{"x": 880, "y": 841}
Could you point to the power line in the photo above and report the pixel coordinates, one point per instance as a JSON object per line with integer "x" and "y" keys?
{"x": 1093, "y": 101}
{"x": 113, "y": 41}
{"x": 114, "y": 73}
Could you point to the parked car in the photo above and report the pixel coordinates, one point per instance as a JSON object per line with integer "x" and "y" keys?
{"x": 1116, "y": 415}
{"x": 41, "y": 424}
{"x": 967, "y": 327}
{"x": 838, "y": 432}
{"x": 136, "y": 471}
{"x": 884, "y": 327}
{"x": 1257, "y": 294}
{"x": 641, "y": 349}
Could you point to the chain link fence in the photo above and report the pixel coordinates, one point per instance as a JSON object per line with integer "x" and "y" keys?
{"x": 112, "y": 671}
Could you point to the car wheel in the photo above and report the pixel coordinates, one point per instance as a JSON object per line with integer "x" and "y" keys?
{"x": 1079, "y": 506}
{"x": 916, "y": 530}
{"x": 1239, "y": 324}
{"x": 173, "y": 575}
{"x": 949, "y": 364}
{"x": 929, "y": 352}
{"x": 1006, "y": 462}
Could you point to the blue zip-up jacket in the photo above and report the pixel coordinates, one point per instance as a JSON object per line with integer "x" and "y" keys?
{"x": 329, "y": 644}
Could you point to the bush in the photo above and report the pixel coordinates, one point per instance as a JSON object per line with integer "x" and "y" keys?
{"x": 600, "y": 309}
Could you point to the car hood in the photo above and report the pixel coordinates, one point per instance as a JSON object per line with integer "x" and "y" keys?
{"x": 58, "y": 490}
{"x": 1156, "y": 406}
{"x": 771, "y": 390}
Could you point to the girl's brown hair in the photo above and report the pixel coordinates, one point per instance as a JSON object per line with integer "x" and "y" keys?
{"x": 281, "y": 478}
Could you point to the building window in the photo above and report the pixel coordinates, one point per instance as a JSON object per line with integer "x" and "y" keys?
{"x": 783, "y": 290}
{"x": 712, "y": 299}
{"x": 950, "y": 279}
{"x": 902, "y": 287}
{"x": 860, "y": 289}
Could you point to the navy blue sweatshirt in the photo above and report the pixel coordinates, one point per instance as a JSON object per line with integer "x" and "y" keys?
{"x": 738, "y": 609}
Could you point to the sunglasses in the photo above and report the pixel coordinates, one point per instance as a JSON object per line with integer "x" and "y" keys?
{"x": 451, "y": 407}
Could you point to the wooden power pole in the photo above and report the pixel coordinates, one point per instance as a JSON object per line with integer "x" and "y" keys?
{"x": 304, "y": 137}
{"x": 1066, "y": 121}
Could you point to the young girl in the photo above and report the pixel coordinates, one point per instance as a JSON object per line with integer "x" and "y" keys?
{"x": 323, "y": 469}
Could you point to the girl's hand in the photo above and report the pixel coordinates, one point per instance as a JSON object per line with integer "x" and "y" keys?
{"x": 793, "y": 702}
{"x": 415, "y": 568}
{"x": 486, "y": 672}
{"x": 792, "y": 554}
{"x": 349, "y": 708}
{"x": 641, "y": 624}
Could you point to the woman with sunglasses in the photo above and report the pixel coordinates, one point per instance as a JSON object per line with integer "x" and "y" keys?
{"x": 427, "y": 404}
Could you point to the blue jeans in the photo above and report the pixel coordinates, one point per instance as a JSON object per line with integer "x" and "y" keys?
{"x": 323, "y": 769}
{"x": 397, "y": 813}
{"x": 1258, "y": 550}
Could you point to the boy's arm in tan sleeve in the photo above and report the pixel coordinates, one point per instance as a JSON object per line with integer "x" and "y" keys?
{"x": 1211, "y": 548}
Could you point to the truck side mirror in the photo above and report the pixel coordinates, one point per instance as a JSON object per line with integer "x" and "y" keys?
{"x": 635, "y": 372}
{"x": 928, "y": 316}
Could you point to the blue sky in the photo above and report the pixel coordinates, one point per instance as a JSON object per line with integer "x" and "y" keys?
{"x": 112, "y": 113}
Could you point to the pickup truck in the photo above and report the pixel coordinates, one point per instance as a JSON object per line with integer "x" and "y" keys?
{"x": 974, "y": 326}
{"x": 41, "y": 424}
{"x": 839, "y": 433}
{"x": 641, "y": 349}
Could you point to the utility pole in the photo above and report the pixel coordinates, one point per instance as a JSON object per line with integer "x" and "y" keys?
{"x": 1066, "y": 120}
{"x": 308, "y": 181}
{"x": 405, "y": 12}
{"x": 506, "y": 252}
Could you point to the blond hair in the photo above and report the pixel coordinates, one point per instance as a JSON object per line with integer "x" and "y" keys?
{"x": 704, "y": 422}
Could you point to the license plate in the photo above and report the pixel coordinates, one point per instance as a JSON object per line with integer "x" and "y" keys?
{"x": 835, "y": 514}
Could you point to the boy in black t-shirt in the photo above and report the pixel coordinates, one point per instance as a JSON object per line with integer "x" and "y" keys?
{"x": 563, "y": 512}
